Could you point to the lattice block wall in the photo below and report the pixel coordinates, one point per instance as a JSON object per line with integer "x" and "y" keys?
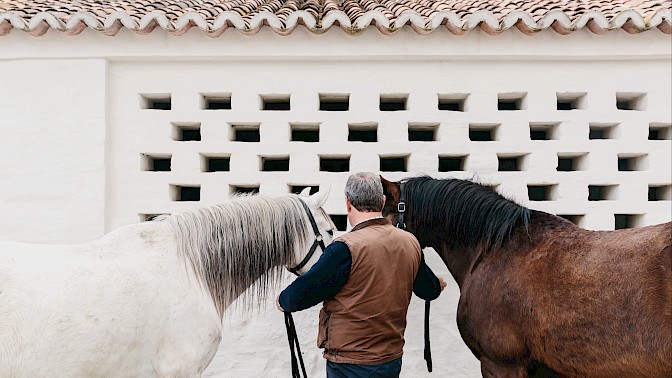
{"x": 586, "y": 140}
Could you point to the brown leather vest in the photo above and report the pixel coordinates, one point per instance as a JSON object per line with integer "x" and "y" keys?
{"x": 365, "y": 321}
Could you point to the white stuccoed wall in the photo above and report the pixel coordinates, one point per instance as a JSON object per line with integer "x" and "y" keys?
{"x": 73, "y": 132}
{"x": 52, "y": 149}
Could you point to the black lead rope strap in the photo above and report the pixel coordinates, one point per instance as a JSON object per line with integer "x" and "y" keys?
{"x": 294, "y": 347}
{"x": 428, "y": 351}
{"x": 401, "y": 210}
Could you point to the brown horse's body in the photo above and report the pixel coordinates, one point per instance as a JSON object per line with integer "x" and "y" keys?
{"x": 582, "y": 303}
{"x": 561, "y": 299}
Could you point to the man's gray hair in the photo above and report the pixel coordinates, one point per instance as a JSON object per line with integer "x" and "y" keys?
{"x": 365, "y": 192}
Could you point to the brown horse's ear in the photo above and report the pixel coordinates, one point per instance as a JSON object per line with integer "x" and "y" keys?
{"x": 391, "y": 191}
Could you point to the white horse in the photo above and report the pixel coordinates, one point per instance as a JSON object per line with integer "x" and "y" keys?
{"x": 148, "y": 299}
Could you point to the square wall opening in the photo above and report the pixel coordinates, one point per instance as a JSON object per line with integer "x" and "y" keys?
{"x": 186, "y": 131}
{"x": 660, "y": 192}
{"x": 630, "y": 101}
{"x": 155, "y": 101}
{"x": 275, "y": 102}
{"x": 602, "y": 192}
{"x": 274, "y": 163}
{"x": 632, "y": 162}
{"x": 216, "y": 101}
{"x": 305, "y": 132}
{"x": 362, "y": 132}
{"x": 215, "y": 162}
{"x": 512, "y": 101}
{"x": 542, "y": 192}
{"x": 340, "y": 221}
{"x": 453, "y": 102}
{"x": 393, "y": 102}
{"x": 245, "y": 132}
{"x": 483, "y": 132}
{"x": 334, "y": 163}
{"x": 660, "y": 131}
{"x": 543, "y": 131}
{"x": 569, "y": 162}
{"x": 602, "y": 130}
{"x": 393, "y": 163}
{"x": 452, "y": 163}
{"x": 570, "y": 100}
{"x": 334, "y": 102}
{"x": 422, "y": 132}
{"x": 185, "y": 192}
{"x": 156, "y": 162}
{"x": 511, "y": 162}
{"x": 622, "y": 221}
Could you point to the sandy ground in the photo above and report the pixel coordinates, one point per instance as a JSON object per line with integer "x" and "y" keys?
{"x": 255, "y": 344}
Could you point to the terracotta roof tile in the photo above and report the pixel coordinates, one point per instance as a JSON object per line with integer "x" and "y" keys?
{"x": 248, "y": 16}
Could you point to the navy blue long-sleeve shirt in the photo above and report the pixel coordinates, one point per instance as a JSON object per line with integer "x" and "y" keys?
{"x": 331, "y": 272}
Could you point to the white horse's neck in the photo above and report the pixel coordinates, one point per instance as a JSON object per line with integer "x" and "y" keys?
{"x": 241, "y": 244}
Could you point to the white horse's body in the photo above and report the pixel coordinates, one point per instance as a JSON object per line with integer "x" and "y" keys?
{"x": 122, "y": 306}
{"x": 127, "y": 305}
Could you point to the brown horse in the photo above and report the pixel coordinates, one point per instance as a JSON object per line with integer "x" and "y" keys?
{"x": 540, "y": 296}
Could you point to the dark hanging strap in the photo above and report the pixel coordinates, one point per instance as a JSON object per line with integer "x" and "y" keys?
{"x": 428, "y": 351}
{"x": 293, "y": 339}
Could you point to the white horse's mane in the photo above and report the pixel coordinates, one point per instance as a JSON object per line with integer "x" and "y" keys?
{"x": 241, "y": 243}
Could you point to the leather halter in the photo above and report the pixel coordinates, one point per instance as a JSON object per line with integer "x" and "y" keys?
{"x": 318, "y": 241}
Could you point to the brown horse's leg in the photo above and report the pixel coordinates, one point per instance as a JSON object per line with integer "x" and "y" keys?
{"x": 491, "y": 369}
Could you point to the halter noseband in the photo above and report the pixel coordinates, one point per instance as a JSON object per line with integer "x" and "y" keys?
{"x": 318, "y": 241}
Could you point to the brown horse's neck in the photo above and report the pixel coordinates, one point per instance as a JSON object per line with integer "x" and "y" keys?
{"x": 460, "y": 261}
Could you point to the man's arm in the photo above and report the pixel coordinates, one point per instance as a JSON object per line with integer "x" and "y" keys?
{"x": 426, "y": 284}
{"x": 321, "y": 282}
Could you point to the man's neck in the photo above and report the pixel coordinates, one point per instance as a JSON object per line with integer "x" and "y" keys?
{"x": 361, "y": 217}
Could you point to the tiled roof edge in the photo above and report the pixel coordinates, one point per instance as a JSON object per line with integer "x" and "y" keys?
{"x": 629, "y": 20}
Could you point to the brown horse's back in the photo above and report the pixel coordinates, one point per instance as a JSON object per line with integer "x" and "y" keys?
{"x": 602, "y": 301}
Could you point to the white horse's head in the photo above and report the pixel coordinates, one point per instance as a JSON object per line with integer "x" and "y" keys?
{"x": 321, "y": 232}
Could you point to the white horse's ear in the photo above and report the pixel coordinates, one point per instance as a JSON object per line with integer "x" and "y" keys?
{"x": 318, "y": 199}
{"x": 305, "y": 192}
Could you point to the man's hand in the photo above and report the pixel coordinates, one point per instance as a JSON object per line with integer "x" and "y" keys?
{"x": 443, "y": 283}
{"x": 277, "y": 301}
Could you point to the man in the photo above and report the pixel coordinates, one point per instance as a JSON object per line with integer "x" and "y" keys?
{"x": 365, "y": 279}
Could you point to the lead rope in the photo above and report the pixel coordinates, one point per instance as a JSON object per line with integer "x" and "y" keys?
{"x": 401, "y": 210}
{"x": 428, "y": 351}
{"x": 293, "y": 339}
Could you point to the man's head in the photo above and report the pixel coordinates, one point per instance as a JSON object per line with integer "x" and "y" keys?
{"x": 364, "y": 192}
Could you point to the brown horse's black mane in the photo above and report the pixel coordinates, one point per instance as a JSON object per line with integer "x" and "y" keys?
{"x": 470, "y": 213}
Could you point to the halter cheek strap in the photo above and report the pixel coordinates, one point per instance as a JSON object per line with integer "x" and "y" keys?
{"x": 292, "y": 337}
{"x": 318, "y": 241}
{"x": 401, "y": 212}
{"x": 401, "y": 207}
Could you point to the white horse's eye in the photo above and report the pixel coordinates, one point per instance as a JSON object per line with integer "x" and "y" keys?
{"x": 330, "y": 232}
